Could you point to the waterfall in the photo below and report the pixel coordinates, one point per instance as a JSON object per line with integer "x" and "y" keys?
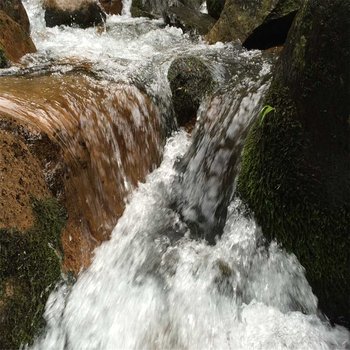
{"x": 149, "y": 289}
{"x": 156, "y": 284}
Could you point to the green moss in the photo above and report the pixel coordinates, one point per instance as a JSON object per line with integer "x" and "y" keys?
{"x": 3, "y": 59}
{"x": 282, "y": 184}
{"x": 29, "y": 270}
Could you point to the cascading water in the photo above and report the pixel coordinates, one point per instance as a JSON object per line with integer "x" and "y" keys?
{"x": 153, "y": 286}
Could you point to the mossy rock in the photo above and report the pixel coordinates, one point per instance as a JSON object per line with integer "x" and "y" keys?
{"x": 190, "y": 81}
{"x": 215, "y": 7}
{"x": 295, "y": 173}
{"x": 29, "y": 270}
{"x": 3, "y": 60}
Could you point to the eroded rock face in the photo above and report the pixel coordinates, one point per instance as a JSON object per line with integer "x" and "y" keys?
{"x": 16, "y": 10}
{"x": 113, "y": 7}
{"x": 239, "y": 19}
{"x": 296, "y": 161}
{"x": 15, "y": 42}
{"x": 81, "y": 13}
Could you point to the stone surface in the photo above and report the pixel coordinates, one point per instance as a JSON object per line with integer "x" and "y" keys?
{"x": 16, "y": 10}
{"x": 81, "y": 13}
{"x": 190, "y": 80}
{"x": 239, "y": 19}
{"x": 113, "y": 7}
{"x": 189, "y": 20}
{"x": 14, "y": 41}
{"x": 31, "y": 221}
{"x": 296, "y": 162}
{"x": 101, "y": 165}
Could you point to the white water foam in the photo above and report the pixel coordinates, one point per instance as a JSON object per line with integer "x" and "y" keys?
{"x": 146, "y": 290}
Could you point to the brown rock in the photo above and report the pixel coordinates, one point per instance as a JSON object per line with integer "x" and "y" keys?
{"x": 113, "y": 7}
{"x": 105, "y": 154}
{"x": 21, "y": 178}
{"x": 16, "y": 10}
{"x": 81, "y": 13}
{"x": 13, "y": 39}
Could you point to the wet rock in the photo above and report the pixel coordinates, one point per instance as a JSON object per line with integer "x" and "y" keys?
{"x": 190, "y": 80}
{"x": 3, "y": 60}
{"x": 95, "y": 168}
{"x": 189, "y": 20}
{"x": 14, "y": 41}
{"x": 16, "y": 10}
{"x": 81, "y": 13}
{"x": 113, "y": 7}
{"x": 160, "y": 8}
{"x": 215, "y": 7}
{"x": 296, "y": 161}
{"x": 239, "y": 20}
{"x": 31, "y": 222}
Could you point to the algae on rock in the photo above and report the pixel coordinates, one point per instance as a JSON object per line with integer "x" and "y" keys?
{"x": 29, "y": 271}
{"x": 295, "y": 172}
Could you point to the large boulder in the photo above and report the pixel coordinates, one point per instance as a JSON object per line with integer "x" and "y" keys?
{"x": 113, "y": 7}
{"x": 190, "y": 81}
{"x": 96, "y": 167}
{"x": 16, "y": 10}
{"x": 295, "y": 172}
{"x": 15, "y": 42}
{"x": 241, "y": 19}
{"x": 81, "y": 13}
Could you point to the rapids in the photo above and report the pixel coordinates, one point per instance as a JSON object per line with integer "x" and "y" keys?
{"x": 154, "y": 285}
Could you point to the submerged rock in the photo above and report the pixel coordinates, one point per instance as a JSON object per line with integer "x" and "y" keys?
{"x": 190, "y": 80}
{"x": 296, "y": 162}
{"x": 81, "y": 13}
{"x": 16, "y": 10}
{"x": 239, "y": 20}
{"x": 15, "y": 42}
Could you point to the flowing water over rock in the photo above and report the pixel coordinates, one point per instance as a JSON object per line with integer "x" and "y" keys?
{"x": 104, "y": 96}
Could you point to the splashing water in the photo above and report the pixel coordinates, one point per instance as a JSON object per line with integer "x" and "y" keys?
{"x": 146, "y": 290}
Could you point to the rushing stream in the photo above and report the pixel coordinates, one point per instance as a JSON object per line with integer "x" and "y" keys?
{"x": 154, "y": 285}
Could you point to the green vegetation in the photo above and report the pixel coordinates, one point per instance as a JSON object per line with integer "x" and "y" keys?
{"x": 29, "y": 270}
{"x": 265, "y": 111}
